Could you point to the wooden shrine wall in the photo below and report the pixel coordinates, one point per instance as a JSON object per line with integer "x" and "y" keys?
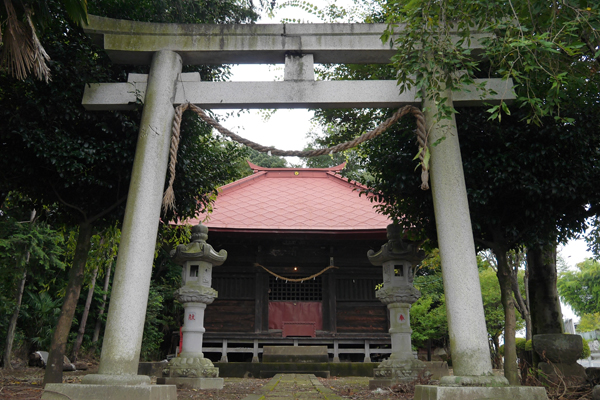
{"x": 233, "y": 310}
{"x": 245, "y": 290}
{"x": 357, "y": 308}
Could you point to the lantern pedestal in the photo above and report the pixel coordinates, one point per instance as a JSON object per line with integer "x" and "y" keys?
{"x": 190, "y": 369}
{"x": 398, "y": 293}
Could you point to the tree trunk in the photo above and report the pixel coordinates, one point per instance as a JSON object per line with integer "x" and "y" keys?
{"x": 54, "y": 367}
{"x": 12, "y": 326}
{"x": 521, "y": 305}
{"x": 546, "y": 315}
{"x": 528, "y": 328}
{"x": 86, "y": 312}
{"x": 103, "y": 304}
{"x": 506, "y": 295}
{"x": 497, "y": 359}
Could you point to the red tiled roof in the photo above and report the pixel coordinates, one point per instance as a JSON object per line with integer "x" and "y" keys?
{"x": 301, "y": 199}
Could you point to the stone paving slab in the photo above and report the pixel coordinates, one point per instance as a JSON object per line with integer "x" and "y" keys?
{"x": 293, "y": 387}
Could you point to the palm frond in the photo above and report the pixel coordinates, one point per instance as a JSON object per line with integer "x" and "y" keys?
{"x": 38, "y": 64}
{"x": 18, "y": 51}
{"x": 77, "y": 10}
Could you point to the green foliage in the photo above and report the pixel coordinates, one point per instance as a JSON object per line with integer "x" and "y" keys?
{"x": 585, "y": 352}
{"x": 492, "y": 304}
{"x": 522, "y": 345}
{"x": 428, "y": 314}
{"x": 178, "y": 11}
{"x": 542, "y": 46}
{"x": 330, "y": 13}
{"x": 265, "y": 160}
{"x": 39, "y": 317}
{"x": 153, "y": 324}
{"x": 581, "y": 289}
{"x": 589, "y": 323}
{"x": 29, "y": 247}
{"x": 428, "y": 320}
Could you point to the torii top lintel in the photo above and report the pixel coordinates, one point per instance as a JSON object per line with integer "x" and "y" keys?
{"x": 130, "y": 42}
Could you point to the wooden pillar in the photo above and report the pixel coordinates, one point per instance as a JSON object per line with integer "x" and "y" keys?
{"x": 330, "y": 302}
{"x": 259, "y": 301}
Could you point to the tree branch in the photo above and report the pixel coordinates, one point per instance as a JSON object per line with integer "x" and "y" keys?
{"x": 69, "y": 205}
{"x": 106, "y": 211}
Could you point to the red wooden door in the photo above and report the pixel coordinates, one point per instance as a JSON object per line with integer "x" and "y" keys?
{"x": 295, "y": 311}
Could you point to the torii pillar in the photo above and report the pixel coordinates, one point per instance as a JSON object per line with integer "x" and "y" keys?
{"x": 166, "y": 45}
{"x": 117, "y": 376}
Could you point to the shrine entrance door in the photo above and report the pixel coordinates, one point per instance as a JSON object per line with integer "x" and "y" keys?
{"x": 296, "y": 307}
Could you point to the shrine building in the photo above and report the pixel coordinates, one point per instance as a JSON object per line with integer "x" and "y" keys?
{"x": 279, "y": 225}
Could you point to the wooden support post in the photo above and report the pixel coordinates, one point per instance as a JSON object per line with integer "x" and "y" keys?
{"x": 367, "y": 352}
{"x": 224, "y": 352}
{"x": 336, "y": 352}
{"x": 255, "y": 352}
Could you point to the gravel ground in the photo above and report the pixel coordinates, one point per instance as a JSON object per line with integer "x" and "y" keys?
{"x": 26, "y": 383}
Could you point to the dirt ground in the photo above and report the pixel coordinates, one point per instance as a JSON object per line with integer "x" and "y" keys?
{"x": 25, "y": 383}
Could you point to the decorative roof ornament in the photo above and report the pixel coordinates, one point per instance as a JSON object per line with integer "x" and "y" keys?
{"x": 198, "y": 249}
{"x": 396, "y": 249}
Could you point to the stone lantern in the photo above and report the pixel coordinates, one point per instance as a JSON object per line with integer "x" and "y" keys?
{"x": 398, "y": 293}
{"x": 191, "y": 369}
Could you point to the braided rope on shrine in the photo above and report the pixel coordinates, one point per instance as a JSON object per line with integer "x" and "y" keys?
{"x": 308, "y": 278}
{"x": 169, "y": 195}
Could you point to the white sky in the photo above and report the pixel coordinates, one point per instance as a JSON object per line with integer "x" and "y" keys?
{"x": 286, "y": 129}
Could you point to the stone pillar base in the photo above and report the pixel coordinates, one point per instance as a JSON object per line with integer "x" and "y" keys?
{"x": 75, "y": 391}
{"x": 393, "y": 371}
{"x": 190, "y": 367}
{"x": 477, "y": 393}
{"x": 478, "y": 380}
{"x": 118, "y": 380}
{"x": 192, "y": 383}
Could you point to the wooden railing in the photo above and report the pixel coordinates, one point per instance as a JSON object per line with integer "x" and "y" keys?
{"x": 335, "y": 347}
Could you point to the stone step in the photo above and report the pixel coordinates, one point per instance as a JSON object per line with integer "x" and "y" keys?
{"x": 271, "y": 374}
{"x": 295, "y": 354}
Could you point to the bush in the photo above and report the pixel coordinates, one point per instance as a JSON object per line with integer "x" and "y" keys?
{"x": 585, "y": 352}
{"x": 522, "y": 345}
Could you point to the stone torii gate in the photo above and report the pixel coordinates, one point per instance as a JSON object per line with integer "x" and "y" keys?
{"x": 166, "y": 47}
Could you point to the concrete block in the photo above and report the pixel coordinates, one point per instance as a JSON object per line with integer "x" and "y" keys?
{"x": 593, "y": 375}
{"x": 295, "y": 354}
{"x": 558, "y": 348}
{"x": 152, "y": 368}
{"x": 571, "y": 370}
{"x": 437, "y": 369}
{"x": 479, "y": 393}
{"x": 299, "y": 67}
{"x": 73, "y": 391}
{"x": 596, "y": 393}
{"x": 192, "y": 383}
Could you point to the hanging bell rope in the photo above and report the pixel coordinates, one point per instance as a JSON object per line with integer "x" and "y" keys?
{"x": 169, "y": 196}
{"x": 308, "y": 278}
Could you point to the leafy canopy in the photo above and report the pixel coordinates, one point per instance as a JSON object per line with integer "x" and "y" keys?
{"x": 542, "y": 46}
{"x": 580, "y": 289}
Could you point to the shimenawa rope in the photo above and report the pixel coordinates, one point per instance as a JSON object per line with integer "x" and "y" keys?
{"x": 169, "y": 196}
{"x": 308, "y": 278}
